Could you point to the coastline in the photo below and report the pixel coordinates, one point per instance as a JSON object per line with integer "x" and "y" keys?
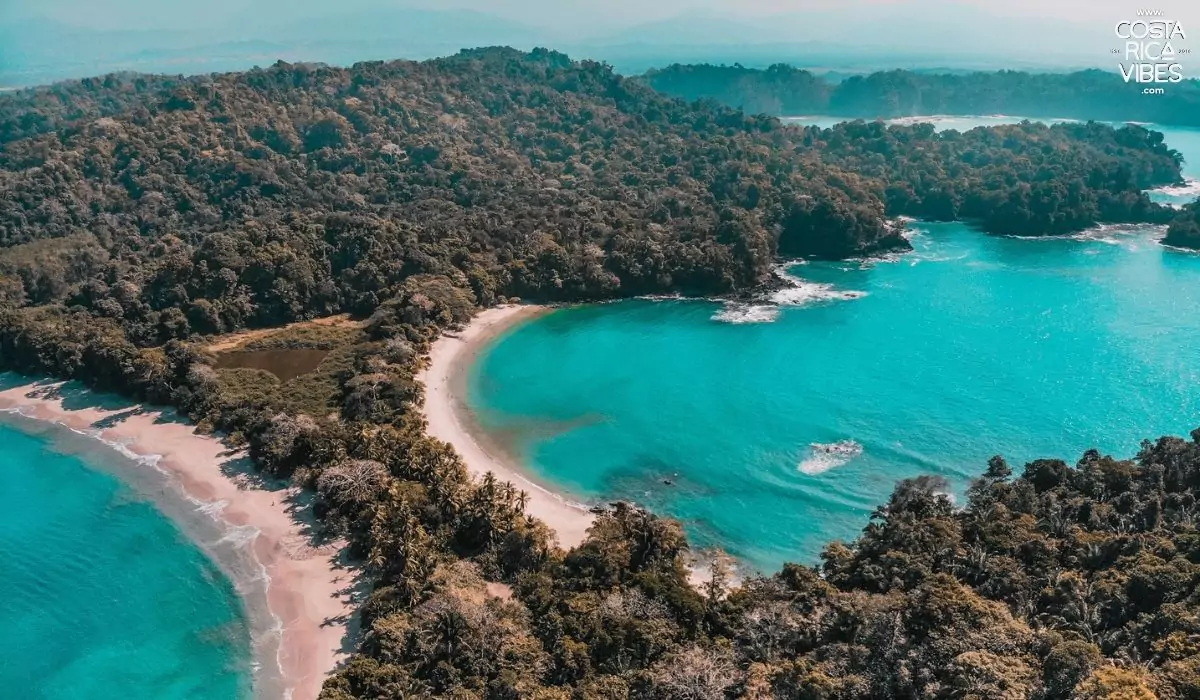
{"x": 308, "y": 593}
{"x": 449, "y": 419}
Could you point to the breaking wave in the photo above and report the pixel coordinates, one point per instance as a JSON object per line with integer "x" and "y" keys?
{"x": 1191, "y": 187}
{"x": 965, "y": 121}
{"x": 799, "y": 292}
{"x": 806, "y": 293}
{"x": 1177, "y": 195}
{"x": 734, "y": 312}
{"x": 802, "y": 292}
{"x": 825, "y": 456}
{"x": 1127, "y": 235}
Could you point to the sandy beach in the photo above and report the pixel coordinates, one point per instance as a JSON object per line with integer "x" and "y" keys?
{"x": 449, "y": 419}
{"x": 309, "y": 591}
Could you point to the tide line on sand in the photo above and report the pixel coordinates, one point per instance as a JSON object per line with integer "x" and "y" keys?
{"x": 310, "y": 592}
{"x": 450, "y": 420}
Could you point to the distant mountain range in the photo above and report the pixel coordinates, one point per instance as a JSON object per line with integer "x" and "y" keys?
{"x": 37, "y": 50}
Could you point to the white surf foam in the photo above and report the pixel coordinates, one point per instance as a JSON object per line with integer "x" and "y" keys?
{"x": 1180, "y": 249}
{"x": 825, "y": 456}
{"x": 924, "y": 119}
{"x": 240, "y": 536}
{"x": 213, "y": 509}
{"x": 983, "y": 119}
{"x": 806, "y": 293}
{"x": 1190, "y": 188}
{"x": 660, "y": 297}
{"x": 883, "y": 259}
{"x": 1127, "y": 235}
{"x": 802, "y": 292}
{"x": 734, "y": 312}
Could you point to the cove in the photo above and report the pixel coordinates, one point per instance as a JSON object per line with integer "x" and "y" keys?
{"x": 104, "y": 596}
{"x": 781, "y": 435}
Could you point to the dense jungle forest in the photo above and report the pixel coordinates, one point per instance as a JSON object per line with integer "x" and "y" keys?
{"x": 141, "y": 216}
{"x": 1184, "y": 231}
{"x": 782, "y": 90}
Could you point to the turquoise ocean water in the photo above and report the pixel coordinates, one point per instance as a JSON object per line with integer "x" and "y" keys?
{"x": 781, "y": 427}
{"x": 103, "y": 596}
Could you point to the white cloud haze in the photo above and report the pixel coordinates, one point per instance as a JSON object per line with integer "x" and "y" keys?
{"x": 575, "y": 18}
{"x": 47, "y": 39}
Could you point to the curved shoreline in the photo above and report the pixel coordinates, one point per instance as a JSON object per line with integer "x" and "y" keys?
{"x": 304, "y": 585}
{"x": 449, "y": 419}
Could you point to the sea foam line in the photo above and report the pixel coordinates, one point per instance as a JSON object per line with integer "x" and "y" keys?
{"x": 799, "y": 292}
{"x": 766, "y": 308}
{"x": 1191, "y": 186}
{"x": 1111, "y": 234}
{"x": 803, "y": 292}
{"x": 1179, "y": 249}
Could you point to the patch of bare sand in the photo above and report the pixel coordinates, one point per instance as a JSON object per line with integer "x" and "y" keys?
{"x": 449, "y": 419}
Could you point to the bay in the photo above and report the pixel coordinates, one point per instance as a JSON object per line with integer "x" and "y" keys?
{"x": 770, "y": 430}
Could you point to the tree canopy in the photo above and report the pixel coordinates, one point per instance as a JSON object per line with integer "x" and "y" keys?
{"x": 205, "y": 204}
{"x": 1184, "y": 231}
{"x": 782, "y": 90}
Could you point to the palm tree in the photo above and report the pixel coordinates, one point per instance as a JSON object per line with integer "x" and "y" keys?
{"x": 449, "y": 633}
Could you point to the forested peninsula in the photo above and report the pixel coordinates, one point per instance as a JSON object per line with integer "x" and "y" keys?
{"x": 142, "y": 216}
{"x": 782, "y": 90}
{"x": 573, "y": 181}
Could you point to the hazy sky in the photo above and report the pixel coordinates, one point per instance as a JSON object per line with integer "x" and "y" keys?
{"x": 578, "y": 18}
{"x": 846, "y": 35}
